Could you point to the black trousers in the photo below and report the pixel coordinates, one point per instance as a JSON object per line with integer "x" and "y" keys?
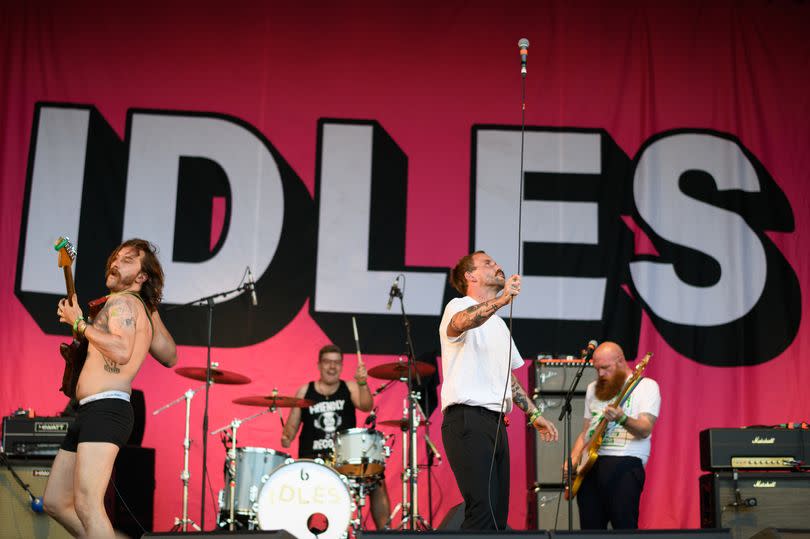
{"x": 611, "y": 493}
{"x": 468, "y": 433}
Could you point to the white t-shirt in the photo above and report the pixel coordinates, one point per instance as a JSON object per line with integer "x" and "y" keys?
{"x": 474, "y": 364}
{"x": 645, "y": 398}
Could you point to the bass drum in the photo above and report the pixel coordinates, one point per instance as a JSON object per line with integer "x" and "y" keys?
{"x": 305, "y": 498}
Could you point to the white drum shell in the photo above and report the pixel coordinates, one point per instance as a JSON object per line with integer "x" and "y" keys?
{"x": 360, "y": 452}
{"x": 252, "y": 465}
{"x": 299, "y": 489}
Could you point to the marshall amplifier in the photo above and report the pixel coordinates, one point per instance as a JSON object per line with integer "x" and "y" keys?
{"x": 34, "y": 437}
{"x": 747, "y": 502}
{"x": 754, "y": 448}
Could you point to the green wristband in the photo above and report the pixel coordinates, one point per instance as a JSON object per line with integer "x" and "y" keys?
{"x": 534, "y": 416}
{"x": 622, "y": 420}
{"x": 363, "y": 383}
{"x": 76, "y": 324}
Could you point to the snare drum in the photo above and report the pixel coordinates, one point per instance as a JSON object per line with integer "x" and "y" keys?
{"x": 305, "y": 494}
{"x": 360, "y": 453}
{"x": 253, "y": 464}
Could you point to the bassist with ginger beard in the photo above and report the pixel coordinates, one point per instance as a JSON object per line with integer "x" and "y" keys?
{"x": 611, "y": 490}
{"x": 127, "y": 328}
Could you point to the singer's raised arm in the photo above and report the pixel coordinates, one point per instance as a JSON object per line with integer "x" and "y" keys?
{"x": 476, "y": 315}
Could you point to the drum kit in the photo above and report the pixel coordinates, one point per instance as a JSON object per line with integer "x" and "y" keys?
{"x": 268, "y": 489}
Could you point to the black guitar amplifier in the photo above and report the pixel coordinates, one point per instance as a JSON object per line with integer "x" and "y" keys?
{"x": 34, "y": 437}
{"x": 754, "y": 448}
{"x": 550, "y": 374}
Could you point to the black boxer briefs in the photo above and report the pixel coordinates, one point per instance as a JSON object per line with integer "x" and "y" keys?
{"x": 103, "y": 420}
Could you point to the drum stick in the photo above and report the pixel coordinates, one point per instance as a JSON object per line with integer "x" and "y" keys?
{"x": 357, "y": 341}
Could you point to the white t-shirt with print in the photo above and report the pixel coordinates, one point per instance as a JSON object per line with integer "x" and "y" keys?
{"x": 475, "y": 364}
{"x": 645, "y": 398}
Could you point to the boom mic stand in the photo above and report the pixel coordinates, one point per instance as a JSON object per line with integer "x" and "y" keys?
{"x": 410, "y": 510}
{"x": 209, "y": 301}
{"x": 566, "y": 413}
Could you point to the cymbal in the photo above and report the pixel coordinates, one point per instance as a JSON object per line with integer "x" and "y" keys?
{"x": 399, "y": 369}
{"x": 399, "y": 423}
{"x": 278, "y": 401}
{"x": 217, "y": 376}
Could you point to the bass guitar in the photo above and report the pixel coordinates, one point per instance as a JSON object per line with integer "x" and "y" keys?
{"x": 591, "y": 450}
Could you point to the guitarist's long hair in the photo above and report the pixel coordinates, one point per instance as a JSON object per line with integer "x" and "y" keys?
{"x": 152, "y": 289}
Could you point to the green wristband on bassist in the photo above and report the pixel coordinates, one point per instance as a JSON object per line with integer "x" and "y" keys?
{"x": 76, "y": 324}
{"x": 534, "y": 415}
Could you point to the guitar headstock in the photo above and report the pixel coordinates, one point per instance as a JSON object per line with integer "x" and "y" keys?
{"x": 641, "y": 365}
{"x": 66, "y": 251}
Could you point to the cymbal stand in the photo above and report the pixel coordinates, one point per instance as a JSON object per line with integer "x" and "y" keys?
{"x": 208, "y": 301}
{"x": 234, "y": 426}
{"x": 432, "y": 452}
{"x": 182, "y": 523}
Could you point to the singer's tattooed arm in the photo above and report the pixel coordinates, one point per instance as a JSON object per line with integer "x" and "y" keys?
{"x": 520, "y": 398}
{"x": 474, "y": 316}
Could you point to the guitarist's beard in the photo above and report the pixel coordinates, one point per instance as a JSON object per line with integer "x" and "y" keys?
{"x": 117, "y": 282}
{"x": 607, "y": 388}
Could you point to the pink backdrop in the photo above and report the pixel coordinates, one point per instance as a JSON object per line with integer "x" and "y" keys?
{"x": 427, "y": 73}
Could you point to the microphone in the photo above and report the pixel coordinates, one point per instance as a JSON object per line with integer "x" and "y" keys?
{"x": 382, "y": 388}
{"x": 589, "y": 350}
{"x": 372, "y": 417}
{"x": 252, "y": 287}
{"x": 523, "y": 44}
{"x": 393, "y": 292}
{"x": 36, "y": 504}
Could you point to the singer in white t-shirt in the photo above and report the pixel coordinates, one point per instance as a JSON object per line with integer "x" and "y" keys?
{"x": 478, "y": 357}
{"x": 611, "y": 490}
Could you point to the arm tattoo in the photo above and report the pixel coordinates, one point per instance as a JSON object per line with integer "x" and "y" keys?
{"x": 121, "y": 313}
{"x": 520, "y": 398}
{"x": 474, "y": 316}
{"x": 117, "y": 311}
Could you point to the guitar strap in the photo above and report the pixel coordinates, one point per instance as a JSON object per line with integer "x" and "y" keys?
{"x": 145, "y": 308}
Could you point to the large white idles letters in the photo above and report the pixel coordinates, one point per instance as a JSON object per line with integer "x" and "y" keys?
{"x": 257, "y": 205}
{"x": 717, "y": 232}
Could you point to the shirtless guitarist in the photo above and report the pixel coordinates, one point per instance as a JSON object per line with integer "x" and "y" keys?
{"x": 119, "y": 338}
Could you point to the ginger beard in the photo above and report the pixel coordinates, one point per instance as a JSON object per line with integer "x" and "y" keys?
{"x": 607, "y": 388}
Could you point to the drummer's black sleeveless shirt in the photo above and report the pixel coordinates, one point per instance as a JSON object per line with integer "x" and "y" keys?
{"x": 322, "y": 420}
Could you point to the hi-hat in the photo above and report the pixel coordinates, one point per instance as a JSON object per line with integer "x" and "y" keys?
{"x": 217, "y": 376}
{"x": 274, "y": 401}
{"x": 399, "y": 369}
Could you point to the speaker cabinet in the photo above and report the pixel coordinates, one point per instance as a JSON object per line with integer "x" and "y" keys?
{"x": 552, "y": 509}
{"x": 546, "y": 466}
{"x": 17, "y": 519}
{"x": 134, "y": 478}
{"x": 754, "y": 501}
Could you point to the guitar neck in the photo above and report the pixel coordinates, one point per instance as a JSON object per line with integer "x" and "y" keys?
{"x": 69, "y": 284}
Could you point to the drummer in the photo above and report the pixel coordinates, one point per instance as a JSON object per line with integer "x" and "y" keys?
{"x": 334, "y": 410}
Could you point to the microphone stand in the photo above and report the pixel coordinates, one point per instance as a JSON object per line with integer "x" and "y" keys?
{"x": 36, "y": 502}
{"x": 209, "y": 301}
{"x": 566, "y": 413}
{"x": 411, "y": 517}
